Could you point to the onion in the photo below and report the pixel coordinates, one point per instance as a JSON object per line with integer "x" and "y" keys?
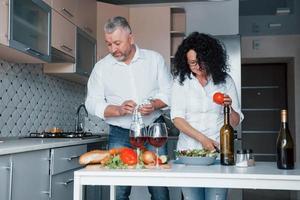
{"x": 149, "y": 157}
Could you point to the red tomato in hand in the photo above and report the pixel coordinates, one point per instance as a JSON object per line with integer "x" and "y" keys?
{"x": 128, "y": 156}
{"x": 218, "y": 98}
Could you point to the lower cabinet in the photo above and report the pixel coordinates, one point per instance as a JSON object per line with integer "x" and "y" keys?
{"x": 62, "y": 186}
{"x": 64, "y": 161}
{"x": 43, "y": 174}
{"x": 30, "y": 175}
{"x": 5, "y": 177}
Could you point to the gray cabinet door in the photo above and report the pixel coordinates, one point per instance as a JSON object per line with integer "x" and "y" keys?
{"x": 85, "y": 53}
{"x": 5, "y": 182}
{"x": 31, "y": 175}
{"x": 62, "y": 186}
{"x": 66, "y": 158}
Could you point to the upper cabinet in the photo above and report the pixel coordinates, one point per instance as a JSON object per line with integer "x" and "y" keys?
{"x": 104, "y": 12}
{"x": 85, "y": 60}
{"x": 86, "y": 20}
{"x": 151, "y": 29}
{"x": 67, "y": 8}
{"x": 25, "y": 26}
{"x": 159, "y": 28}
{"x": 178, "y": 27}
{"x": 63, "y": 34}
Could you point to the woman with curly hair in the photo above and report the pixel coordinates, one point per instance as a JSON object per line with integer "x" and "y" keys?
{"x": 200, "y": 70}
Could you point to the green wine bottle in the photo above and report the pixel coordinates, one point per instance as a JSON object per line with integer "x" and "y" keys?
{"x": 226, "y": 140}
{"x": 285, "y": 145}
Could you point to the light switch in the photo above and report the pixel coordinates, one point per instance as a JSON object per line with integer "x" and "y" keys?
{"x": 255, "y": 44}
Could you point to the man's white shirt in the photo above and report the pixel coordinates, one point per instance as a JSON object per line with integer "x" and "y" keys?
{"x": 113, "y": 82}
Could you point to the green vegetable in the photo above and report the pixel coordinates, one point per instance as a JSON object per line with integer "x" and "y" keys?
{"x": 115, "y": 163}
{"x": 196, "y": 153}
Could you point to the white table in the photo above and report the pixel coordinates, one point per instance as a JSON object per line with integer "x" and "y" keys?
{"x": 262, "y": 176}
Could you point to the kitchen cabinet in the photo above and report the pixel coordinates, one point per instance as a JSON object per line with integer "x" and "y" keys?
{"x": 85, "y": 60}
{"x": 25, "y": 31}
{"x": 63, "y": 34}
{"x": 30, "y": 175}
{"x": 66, "y": 8}
{"x": 164, "y": 30}
{"x": 104, "y": 12}
{"x": 64, "y": 161}
{"x": 151, "y": 28}
{"x": 6, "y": 175}
{"x": 86, "y": 20}
{"x": 178, "y": 27}
{"x": 62, "y": 186}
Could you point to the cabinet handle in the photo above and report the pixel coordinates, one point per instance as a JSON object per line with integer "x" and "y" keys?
{"x": 30, "y": 50}
{"x": 67, "y": 182}
{"x": 64, "y": 10}
{"x": 65, "y": 47}
{"x": 10, "y": 168}
{"x": 51, "y": 173}
{"x": 71, "y": 158}
{"x": 88, "y": 29}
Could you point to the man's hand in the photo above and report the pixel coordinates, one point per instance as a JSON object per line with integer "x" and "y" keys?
{"x": 147, "y": 109}
{"x": 127, "y": 107}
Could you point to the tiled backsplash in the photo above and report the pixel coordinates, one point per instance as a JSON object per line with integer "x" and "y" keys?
{"x": 32, "y": 101}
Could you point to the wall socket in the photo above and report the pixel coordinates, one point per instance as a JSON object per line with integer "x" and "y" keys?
{"x": 255, "y": 44}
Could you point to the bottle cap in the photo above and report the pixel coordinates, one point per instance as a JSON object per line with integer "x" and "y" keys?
{"x": 241, "y": 151}
{"x": 283, "y": 115}
{"x": 249, "y": 151}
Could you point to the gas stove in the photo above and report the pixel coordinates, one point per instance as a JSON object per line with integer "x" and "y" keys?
{"x": 83, "y": 135}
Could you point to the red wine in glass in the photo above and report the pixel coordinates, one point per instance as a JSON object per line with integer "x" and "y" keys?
{"x": 157, "y": 141}
{"x": 137, "y": 142}
{"x": 157, "y": 136}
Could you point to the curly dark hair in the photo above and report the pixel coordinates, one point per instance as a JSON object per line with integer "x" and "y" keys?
{"x": 210, "y": 53}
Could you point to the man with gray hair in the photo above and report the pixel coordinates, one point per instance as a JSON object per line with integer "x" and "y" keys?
{"x": 125, "y": 78}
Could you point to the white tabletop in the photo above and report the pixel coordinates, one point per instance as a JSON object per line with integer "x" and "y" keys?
{"x": 264, "y": 175}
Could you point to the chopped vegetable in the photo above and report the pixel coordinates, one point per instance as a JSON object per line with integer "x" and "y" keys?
{"x": 197, "y": 153}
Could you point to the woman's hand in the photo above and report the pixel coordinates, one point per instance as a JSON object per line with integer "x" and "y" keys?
{"x": 227, "y": 100}
{"x": 208, "y": 143}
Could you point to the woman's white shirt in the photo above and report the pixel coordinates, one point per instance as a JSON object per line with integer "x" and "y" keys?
{"x": 194, "y": 103}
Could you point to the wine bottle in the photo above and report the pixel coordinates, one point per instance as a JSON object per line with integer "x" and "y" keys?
{"x": 226, "y": 140}
{"x": 285, "y": 145}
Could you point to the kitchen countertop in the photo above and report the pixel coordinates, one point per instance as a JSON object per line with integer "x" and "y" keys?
{"x": 10, "y": 145}
{"x": 264, "y": 175}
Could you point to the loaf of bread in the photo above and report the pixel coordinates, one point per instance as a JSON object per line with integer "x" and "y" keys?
{"x": 93, "y": 157}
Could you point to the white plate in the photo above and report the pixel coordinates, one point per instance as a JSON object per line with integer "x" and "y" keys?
{"x": 195, "y": 160}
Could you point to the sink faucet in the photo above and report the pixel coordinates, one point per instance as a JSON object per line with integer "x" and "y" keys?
{"x": 79, "y": 126}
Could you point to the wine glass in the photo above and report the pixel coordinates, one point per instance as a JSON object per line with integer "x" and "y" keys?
{"x": 137, "y": 134}
{"x": 157, "y": 137}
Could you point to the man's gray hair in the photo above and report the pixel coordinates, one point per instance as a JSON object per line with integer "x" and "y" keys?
{"x": 116, "y": 22}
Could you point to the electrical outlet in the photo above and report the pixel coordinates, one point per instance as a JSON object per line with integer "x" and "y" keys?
{"x": 255, "y": 44}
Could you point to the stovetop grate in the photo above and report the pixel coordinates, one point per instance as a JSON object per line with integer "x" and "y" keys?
{"x": 61, "y": 135}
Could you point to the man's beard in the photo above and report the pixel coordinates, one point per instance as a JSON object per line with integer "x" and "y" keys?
{"x": 123, "y": 56}
{"x": 120, "y": 58}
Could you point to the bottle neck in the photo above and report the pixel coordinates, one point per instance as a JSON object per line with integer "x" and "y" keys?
{"x": 226, "y": 115}
{"x": 284, "y": 125}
